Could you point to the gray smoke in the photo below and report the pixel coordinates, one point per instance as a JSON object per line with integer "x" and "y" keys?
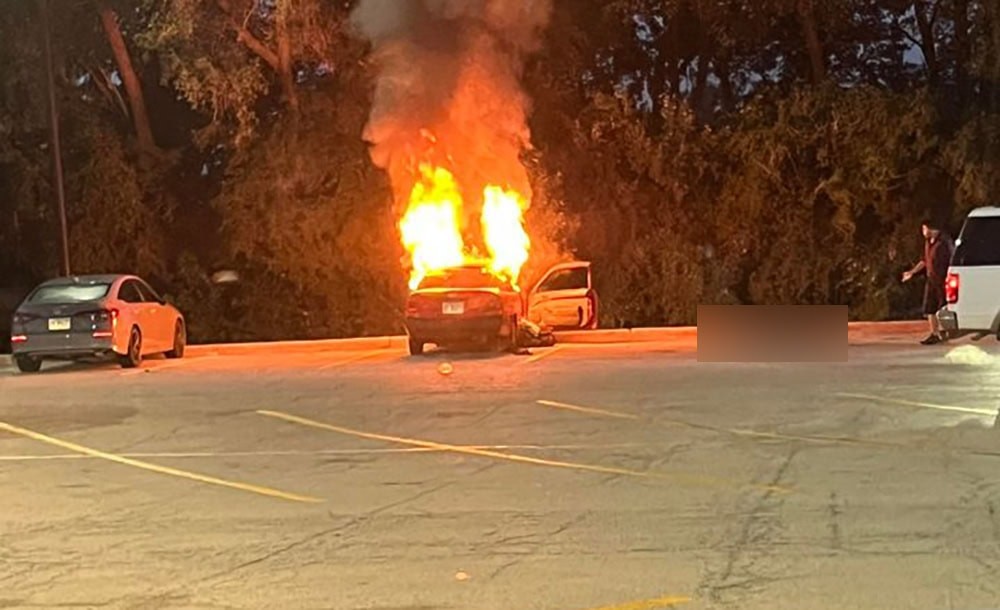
{"x": 448, "y": 87}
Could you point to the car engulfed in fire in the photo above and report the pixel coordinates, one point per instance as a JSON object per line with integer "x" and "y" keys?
{"x": 468, "y": 306}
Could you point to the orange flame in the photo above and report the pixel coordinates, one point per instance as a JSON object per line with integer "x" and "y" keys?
{"x": 503, "y": 231}
{"x": 431, "y": 228}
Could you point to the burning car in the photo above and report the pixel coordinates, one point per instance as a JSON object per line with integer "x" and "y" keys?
{"x": 470, "y": 305}
{"x": 465, "y": 264}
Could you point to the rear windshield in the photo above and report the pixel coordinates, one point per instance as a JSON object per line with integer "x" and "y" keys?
{"x": 979, "y": 244}
{"x": 463, "y": 277}
{"x": 69, "y": 293}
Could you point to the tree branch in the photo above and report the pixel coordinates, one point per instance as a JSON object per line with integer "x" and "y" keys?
{"x": 245, "y": 37}
{"x": 261, "y": 50}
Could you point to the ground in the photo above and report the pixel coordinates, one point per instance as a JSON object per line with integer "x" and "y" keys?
{"x": 581, "y": 477}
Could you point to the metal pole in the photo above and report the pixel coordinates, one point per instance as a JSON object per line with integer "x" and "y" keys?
{"x": 57, "y": 167}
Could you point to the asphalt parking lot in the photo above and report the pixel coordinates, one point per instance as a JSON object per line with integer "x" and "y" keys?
{"x": 580, "y": 477}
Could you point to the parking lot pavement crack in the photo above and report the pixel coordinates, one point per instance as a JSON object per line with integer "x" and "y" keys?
{"x": 834, "y": 511}
{"x": 994, "y": 520}
{"x": 755, "y": 531}
{"x": 303, "y": 541}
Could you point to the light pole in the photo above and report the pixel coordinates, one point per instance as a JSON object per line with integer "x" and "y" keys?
{"x": 57, "y": 167}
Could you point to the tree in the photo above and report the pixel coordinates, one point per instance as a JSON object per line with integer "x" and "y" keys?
{"x": 225, "y": 56}
{"x": 136, "y": 98}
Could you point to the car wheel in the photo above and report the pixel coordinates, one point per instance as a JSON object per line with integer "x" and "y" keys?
{"x": 416, "y": 347}
{"x": 180, "y": 341}
{"x": 508, "y": 343}
{"x": 27, "y": 364}
{"x": 133, "y": 357}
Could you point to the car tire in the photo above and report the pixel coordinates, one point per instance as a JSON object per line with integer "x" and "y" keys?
{"x": 416, "y": 347}
{"x": 133, "y": 357}
{"x": 508, "y": 343}
{"x": 180, "y": 341}
{"x": 27, "y": 364}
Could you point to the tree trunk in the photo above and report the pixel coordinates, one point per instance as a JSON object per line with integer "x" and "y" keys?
{"x": 807, "y": 17}
{"x": 285, "y": 69}
{"x": 133, "y": 88}
{"x": 963, "y": 50}
{"x": 725, "y": 85}
{"x": 928, "y": 47}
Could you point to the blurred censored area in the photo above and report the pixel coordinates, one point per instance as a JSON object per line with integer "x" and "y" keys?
{"x": 779, "y": 333}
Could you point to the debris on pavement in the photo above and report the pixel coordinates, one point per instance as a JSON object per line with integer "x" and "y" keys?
{"x": 530, "y": 334}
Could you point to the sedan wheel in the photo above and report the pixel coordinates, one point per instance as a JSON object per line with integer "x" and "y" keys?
{"x": 416, "y": 347}
{"x": 133, "y": 357}
{"x": 27, "y": 364}
{"x": 180, "y": 341}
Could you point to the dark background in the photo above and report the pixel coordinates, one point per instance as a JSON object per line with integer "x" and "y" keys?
{"x": 773, "y": 152}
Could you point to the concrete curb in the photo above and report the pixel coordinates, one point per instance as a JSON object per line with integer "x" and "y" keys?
{"x": 330, "y": 345}
{"x": 857, "y": 332}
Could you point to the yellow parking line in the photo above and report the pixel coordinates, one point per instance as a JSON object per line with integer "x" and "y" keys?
{"x": 735, "y": 432}
{"x": 294, "y": 453}
{"x": 551, "y": 351}
{"x": 922, "y": 405}
{"x": 588, "y": 410}
{"x": 346, "y": 361}
{"x": 513, "y": 457}
{"x": 648, "y": 604}
{"x": 264, "y": 491}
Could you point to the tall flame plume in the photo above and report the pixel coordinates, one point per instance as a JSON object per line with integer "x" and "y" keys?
{"x": 449, "y": 123}
{"x": 432, "y": 234}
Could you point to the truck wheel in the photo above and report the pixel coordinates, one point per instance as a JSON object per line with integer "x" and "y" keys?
{"x": 27, "y": 364}
{"x": 416, "y": 347}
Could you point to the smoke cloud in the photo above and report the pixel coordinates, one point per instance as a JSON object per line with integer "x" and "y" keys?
{"x": 448, "y": 88}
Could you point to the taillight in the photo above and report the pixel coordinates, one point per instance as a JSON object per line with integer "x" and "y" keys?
{"x": 951, "y": 288}
{"x": 483, "y": 304}
{"x": 18, "y": 338}
{"x": 100, "y": 321}
{"x": 23, "y": 318}
{"x": 417, "y": 305}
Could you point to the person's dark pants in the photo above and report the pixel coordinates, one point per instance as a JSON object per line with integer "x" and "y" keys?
{"x": 933, "y": 296}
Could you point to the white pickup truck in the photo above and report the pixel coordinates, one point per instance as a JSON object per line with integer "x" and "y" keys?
{"x": 972, "y": 289}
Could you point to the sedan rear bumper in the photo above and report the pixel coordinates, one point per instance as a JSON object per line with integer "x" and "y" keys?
{"x": 63, "y": 345}
{"x": 450, "y": 330}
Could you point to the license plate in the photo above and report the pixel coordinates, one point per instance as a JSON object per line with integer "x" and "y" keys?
{"x": 453, "y": 308}
{"x": 59, "y": 323}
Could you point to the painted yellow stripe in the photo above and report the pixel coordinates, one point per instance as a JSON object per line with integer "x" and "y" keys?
{"x": 264, "y": 491}
{"x": 777, "y": 436}
{"x": 648, "y": 604}
{"x": 513, "y": 457}
{"x": 549, "y": 352}
{"x": 922, "y": 405}
{"x": 588, "y": 410}
{"x": 848, "y": 440}
{"x": 294, "y": 453}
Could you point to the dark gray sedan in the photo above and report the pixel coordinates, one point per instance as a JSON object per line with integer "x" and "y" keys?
{"x": 87, "y": 316}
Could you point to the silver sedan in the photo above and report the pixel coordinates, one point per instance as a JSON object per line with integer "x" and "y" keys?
{"x": 87, "y": 316}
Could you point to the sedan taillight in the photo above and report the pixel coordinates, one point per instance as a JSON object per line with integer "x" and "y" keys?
{"x": 103, "y": 320}
{"x": 483, "y": 304}
{"x": 23, "y": 318}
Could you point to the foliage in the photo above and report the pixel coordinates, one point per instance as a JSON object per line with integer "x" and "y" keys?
{"x": 697, "y": 151}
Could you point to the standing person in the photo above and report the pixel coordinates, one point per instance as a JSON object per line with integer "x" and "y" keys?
{"x": 938, "y": 248}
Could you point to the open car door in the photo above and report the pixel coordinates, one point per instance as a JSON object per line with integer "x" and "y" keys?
{"x": 564, "y": 298}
